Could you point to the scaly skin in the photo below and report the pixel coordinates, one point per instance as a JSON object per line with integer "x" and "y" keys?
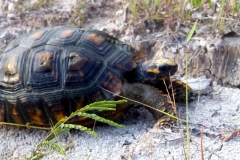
{"x": 150, "y": 96}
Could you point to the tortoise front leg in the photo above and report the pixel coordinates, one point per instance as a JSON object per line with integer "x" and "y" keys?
{"x": 150, "y": 97}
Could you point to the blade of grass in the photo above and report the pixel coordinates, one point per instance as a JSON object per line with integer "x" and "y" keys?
{"x": 187, "y": 114}
{"x": 201, "y": 144}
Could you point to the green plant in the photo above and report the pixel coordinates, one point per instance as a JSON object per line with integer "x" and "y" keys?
{"x": 221, "y": 16}
{"x": 78, "y": 14}
{"x": 62, "y": 127}
{"x": 236, "y": 6}
{"x": 159, "y": 10}
{"x": 145, "y": 8}
{"x": 189, "y": 37}
{"x": 20, "y": 6}
{"x": 40, "y": 3}
{"x": 196, "y": 3}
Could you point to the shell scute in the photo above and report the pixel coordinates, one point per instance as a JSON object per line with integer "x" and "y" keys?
{"x": 44, "y": 68}
{"x": 49, "y": 73}
{"x": 11, "y": 67}
{"x": 36, "y": 38}
{"x": 65, "y": 36}
{"x": 95, "y": 39}
{"x": 81, "y": 69}
{"x": 111, "y": 82}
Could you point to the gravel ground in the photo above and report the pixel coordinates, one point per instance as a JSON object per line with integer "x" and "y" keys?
{"x": 140, "y": 139}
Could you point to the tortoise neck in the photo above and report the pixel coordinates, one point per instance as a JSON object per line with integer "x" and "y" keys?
{"x": 136, "y": 75}
{"x": 150, "y": 96}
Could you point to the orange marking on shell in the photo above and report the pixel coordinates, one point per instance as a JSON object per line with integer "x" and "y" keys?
{"x": 58, "y": 111}
{"x": 15, "y": 116}
{"x": 37, "y": 35}
{"x": 36, "y": 115}
{"x": 59, "y": 115}
{"x": 66, "y": 34}
{"x": 96, "y": 39}
{"x": 79, "y": 105}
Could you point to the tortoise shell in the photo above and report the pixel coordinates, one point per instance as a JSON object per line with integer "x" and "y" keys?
{"x": 49, "y": 73}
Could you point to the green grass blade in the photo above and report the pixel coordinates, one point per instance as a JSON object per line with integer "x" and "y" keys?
{"x": 79, "y": 127}
{"x": 52, "y": 146}
{"x": 36, "y": 156}
{"x": 59, "y": 123}
{"x": 189, "y": 37}
{"x": 100, "y": 119}
{"x": 101, "y": 105}
{"x": 57, "y": 133}
{"x": 105, "y": 103}
{"x": 192, "y": 31}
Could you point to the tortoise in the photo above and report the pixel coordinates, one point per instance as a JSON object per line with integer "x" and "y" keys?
{"x": 49, "y": 73}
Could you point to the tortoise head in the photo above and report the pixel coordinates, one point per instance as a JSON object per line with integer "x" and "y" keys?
{"x": 155, "y": 70}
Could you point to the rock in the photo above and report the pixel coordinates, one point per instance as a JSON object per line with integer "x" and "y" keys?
{"x": 138, "y": 38}
{"x": 215, "y": 58}
{"x": 11, "y": 7}
{"x": 119, "y": 13}
{"x": 200, "y": 85}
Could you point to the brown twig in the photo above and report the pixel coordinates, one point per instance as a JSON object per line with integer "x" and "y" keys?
{"x": 234, "y": 134}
